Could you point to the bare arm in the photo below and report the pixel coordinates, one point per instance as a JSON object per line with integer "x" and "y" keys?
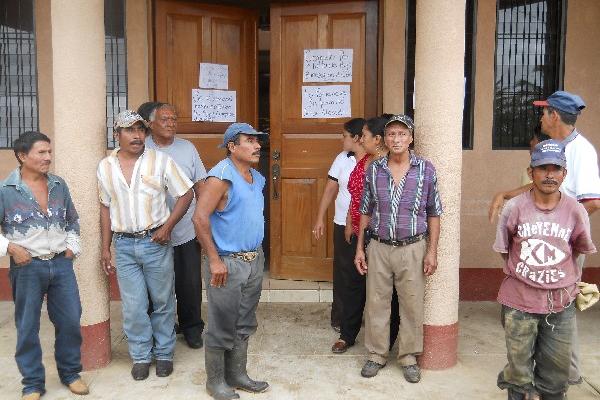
{"x": 106, "y": 235}
{"x": 591, "y": 206}
{"x": 163, "y": 234}
{"x": 213, "y": 192}
{"x": 430, "y": 262}
{"x": 360, "y": 260}
{"x": 331, "y": 189}
{"x": 500, "y": 197}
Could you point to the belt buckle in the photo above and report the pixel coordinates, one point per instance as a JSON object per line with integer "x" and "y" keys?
{"x": 46, "y": 257}
{"x": 246, "y": 256}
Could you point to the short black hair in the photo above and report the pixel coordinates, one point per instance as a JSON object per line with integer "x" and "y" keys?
{"x": 25, "y": 142}
{"x": 354, "y": 126}
{"x": 565, "y": 117}
{"x": 376, "y": 125}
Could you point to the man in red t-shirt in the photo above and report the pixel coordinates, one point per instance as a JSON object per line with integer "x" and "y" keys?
{"x": 540, "y": 234}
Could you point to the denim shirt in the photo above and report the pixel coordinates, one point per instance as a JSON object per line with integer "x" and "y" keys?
{"x": 24, "y": 223}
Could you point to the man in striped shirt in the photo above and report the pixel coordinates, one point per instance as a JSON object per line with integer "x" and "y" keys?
{"x": 133, "y": 183}
{"x": 401, "y": 207}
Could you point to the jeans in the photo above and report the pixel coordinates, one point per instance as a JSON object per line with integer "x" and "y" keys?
{"x": 145, "y": 267}
{"x": 538, "y": 349}
{"x": 56, "y": 279}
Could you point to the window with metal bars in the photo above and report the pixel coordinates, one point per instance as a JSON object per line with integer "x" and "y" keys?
{"x": 409, "y": 82}
{"x": 115, "y": 55}
{"x": 18, "y": 71}
{"x": 529, "y": 66}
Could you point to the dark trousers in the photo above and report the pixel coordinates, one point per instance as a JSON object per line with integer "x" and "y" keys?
{"x": 55, "y": 279}
{"x": 352, "y": 291}
{"x": 343, "y": 253}
{"x": 188, "y": 285}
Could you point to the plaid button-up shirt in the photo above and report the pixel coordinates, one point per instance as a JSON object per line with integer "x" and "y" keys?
{"x": 399, "y": 212}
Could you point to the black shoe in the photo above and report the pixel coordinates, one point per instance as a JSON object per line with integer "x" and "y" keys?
{"x": 140, "y": 371}
{"x": 370, "y": 369}
{"x": 412, "y": 373}
{"x": 193, "y": 338}
{"x": 164, "y": 368}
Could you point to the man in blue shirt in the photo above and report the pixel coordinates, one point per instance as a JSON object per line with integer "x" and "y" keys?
{"x": 233, "y": 260}
{"x": 40, "y": 233}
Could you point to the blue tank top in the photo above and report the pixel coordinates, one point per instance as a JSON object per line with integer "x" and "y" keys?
{"x": 240, "y": 226}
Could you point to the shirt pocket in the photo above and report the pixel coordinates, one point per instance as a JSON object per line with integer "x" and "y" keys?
{"x": 151, "y": 184}
{"x": 19, "y": 221}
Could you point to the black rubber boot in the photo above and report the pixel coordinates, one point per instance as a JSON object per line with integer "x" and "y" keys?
{"x": 215, "y": 375}
{"x": 235, "y": 369}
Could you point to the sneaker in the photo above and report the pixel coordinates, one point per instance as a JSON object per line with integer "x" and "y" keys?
{"x": 164, "y": 368}
{"x": 370, "y": 369}
{"x": 412, "y": 373}
{"x": 140, "y": 371}
{"x": 79, "y": 387}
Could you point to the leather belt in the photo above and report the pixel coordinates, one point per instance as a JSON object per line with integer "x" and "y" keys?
{"x": 137, "y": 235}
{"x": 402, "y": 242}
{"x": 247, "y": 256}
{"x": 49, "y": 256}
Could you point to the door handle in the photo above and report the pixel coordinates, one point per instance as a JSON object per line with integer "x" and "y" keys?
{"x": 276, "y": 173}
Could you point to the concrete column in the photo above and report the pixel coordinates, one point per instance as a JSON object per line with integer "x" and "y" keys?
{"x": 79, "y": 96}
{"x": 438, "y": 136}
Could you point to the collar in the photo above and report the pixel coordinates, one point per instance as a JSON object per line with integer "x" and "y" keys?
{"x": 14, "y": 179}
{"x": 571, "y": 137}
{"x": 413, "y": 159}
{"x": 113, "y": 154}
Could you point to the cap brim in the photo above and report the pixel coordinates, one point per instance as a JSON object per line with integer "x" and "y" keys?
{"x": 548, "y": 161}
{"x": 541, "y": 103}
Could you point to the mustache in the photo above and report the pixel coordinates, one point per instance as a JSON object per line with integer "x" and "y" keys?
{"x": 256, "y": 153}
{"x": 549, "y": 182}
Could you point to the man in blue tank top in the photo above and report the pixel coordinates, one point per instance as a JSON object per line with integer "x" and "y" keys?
{"x": 229, "y": 224}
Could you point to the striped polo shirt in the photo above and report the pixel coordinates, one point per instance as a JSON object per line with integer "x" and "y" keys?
{"x": 400, "y": 211}
{"x": 143, "y": 205}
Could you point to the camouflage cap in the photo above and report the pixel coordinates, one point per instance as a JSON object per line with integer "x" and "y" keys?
{"x": 127, "y": 118}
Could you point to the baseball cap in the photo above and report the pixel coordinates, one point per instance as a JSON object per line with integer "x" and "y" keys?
{"x": 405, "y": 119}
{"x": 563, "y": 101}
{"x": 548, "y": 152}
{"x": 127, "y": 118}
{"x": 236, "y": 128}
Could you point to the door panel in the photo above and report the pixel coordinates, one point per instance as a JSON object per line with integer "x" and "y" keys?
{"x": 188, "y": 33}
{"x": 308, "y": 146}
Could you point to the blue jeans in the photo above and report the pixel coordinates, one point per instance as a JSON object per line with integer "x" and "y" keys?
{"x": 30, "y": 282}
{"x": 144, "y": 267}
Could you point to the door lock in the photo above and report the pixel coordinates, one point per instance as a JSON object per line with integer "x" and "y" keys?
{"x": 276, "y": 173}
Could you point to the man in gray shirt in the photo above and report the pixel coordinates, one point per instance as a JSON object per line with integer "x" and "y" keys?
{"x": 188, "y": 282}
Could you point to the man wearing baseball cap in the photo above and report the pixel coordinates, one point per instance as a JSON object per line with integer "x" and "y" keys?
{"x": 540, "y": 233}
{"x": 229, "y": 224}
{"x": 401, "y": 208}
{"x": 559, "y": 115}
{"x": 133, "y": 183}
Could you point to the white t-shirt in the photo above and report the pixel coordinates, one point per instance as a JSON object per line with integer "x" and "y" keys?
{"x": 582, "y": 180}
{"x": 340, "y": 172}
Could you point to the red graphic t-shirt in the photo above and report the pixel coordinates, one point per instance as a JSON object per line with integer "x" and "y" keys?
{"x": 356, "y": 184}
{"x": 541, "y": 272}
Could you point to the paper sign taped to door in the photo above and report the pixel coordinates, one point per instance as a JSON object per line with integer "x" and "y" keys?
{"x": 214, "y": 76}
{"x": 213, "y": 105}
{"x": 331, "y": 101}
{"x": 328, "y": 65}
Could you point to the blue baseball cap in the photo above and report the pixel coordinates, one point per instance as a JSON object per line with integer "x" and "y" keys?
{"x": 549, "y": 152}
{"x": 236, "y": 128}
{"x": 563, "y": 101}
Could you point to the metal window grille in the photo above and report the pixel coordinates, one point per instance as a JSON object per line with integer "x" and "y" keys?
{"x": 409, "y": 82}
{"x": 115, "y": 55}
{"x": 18, "y": 71}
{"x": 529, "y": 66}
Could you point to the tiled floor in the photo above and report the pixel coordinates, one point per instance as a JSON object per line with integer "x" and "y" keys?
{"x": 291, "y": 351}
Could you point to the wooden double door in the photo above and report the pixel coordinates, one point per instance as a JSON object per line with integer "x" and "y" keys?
{"x": 300, "y": 150}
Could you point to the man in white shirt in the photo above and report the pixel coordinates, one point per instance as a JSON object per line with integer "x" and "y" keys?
{"x": 133, "y": 183}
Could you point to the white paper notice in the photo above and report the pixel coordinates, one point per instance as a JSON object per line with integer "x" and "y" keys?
{"x": 213, "y": 105}
{"x": 214, "y": 76}
{"x": 332, "y": 101}
{"x": 328, "y": 65}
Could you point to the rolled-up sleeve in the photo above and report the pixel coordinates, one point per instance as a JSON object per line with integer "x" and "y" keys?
{"x": 434, "y": 202}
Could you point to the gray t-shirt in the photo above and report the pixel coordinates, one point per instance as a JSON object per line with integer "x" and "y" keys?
{"x": 186, "y": 156}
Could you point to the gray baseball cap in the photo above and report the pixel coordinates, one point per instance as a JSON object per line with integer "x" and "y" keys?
{"x": 239, "y": 127}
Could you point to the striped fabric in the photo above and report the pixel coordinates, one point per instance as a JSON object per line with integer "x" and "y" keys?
{"x": 143, "y": 205}
{"x": 399, "y": 212}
